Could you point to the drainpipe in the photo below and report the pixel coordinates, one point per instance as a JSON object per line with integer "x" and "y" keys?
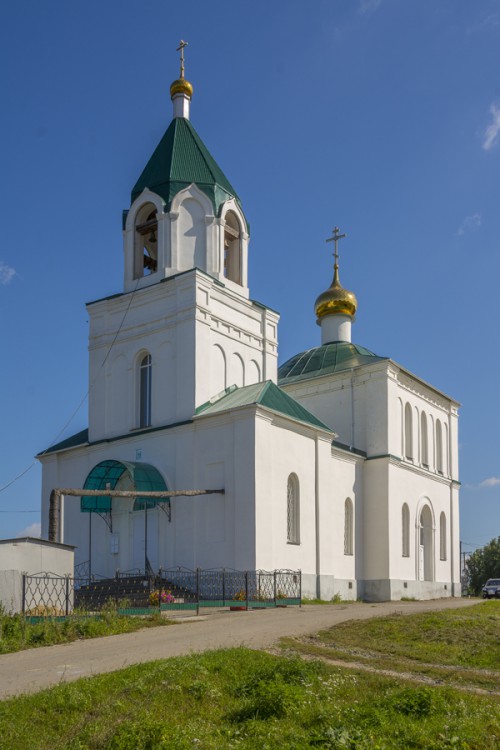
{"x": 61, "y": 521}
{"x": 452, "y": 517}
{"x": 352, "y": 409}
{"x": 316, "y": 514}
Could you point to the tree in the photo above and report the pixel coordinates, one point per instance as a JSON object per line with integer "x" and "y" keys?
{"x": 484, "y": 563}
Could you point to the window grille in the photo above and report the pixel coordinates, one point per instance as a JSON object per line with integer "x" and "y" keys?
{"x": 442, "y": 537}
{"x": 348, "y": 528}
{"x": 406, "y": 530}
{"x": 293, "y": 520}
{"x": 145, "y": 392}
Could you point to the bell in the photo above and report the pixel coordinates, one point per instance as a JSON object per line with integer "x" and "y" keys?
{"x": 152, "y": 236}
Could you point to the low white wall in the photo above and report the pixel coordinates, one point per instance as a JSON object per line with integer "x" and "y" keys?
{"x": 11, "y": 590}
{"x": 36, "y": 556}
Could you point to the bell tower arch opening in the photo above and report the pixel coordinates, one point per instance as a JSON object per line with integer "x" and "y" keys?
{"x": 146, "y": 241}
{"x": 232, "y": 248}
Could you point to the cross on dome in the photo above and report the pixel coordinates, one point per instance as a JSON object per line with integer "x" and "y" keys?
{"x": 336, "y": 307}
{"x": 181, "y": 91}
{"x": 335, "y": 238}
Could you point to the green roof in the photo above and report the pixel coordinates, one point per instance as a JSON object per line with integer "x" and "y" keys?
{"x": 265, "y": 394}
{"x": 81, "y": 438}
{"x": 181, "y": 158}
{"x": 325, "y": 360}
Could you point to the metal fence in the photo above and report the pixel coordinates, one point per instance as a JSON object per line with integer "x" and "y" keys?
{"x": 137, "y": 592}
{"x": 47, "y": 594}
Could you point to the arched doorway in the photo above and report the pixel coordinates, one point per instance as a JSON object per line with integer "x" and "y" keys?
{"x": 141, "y": 544}
{"x": 425, "y": 545}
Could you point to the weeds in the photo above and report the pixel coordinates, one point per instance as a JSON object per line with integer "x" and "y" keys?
{"x": 18, "y": 633}
{"x": 336, "y": 599}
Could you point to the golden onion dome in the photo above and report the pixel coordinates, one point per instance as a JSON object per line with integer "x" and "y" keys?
{"x": 336, "y": 300}
{"x": 181, "y": 86}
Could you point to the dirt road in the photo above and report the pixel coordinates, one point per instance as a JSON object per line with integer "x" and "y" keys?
{"x": 37, "y": 668}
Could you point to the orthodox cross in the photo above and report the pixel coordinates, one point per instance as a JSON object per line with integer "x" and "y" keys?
{"x": 180, "y": 49}
{"x": 335, "y": 238}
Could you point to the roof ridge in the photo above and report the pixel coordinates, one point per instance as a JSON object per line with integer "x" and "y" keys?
{"x": 204, "y": 152}
{"x": 170, "y": 155}
{"x": 194, "y": 135}
{"x": 267, "y": 385}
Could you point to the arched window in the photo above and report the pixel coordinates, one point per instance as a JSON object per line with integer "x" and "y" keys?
{"x": 425, "y": 552}
{"x": 146, "y": 242}
{"x": 293, "y": 510}
{"x": 401, "y": 426}
{"x": 348, "y": 527}
{"x": 424, "y": 440}
{"x": 442, "y": 536}
{"x": 232, "y": 248}
{"x": 405, "y": 520}
{"x": 446, "y": 451}
{"x": 408, "y": 433}
{"x": 439, "y": 447}
{"x": 145, "y": 371}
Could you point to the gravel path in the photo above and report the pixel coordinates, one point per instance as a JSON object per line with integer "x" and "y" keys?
{"x": 38, "y": 668}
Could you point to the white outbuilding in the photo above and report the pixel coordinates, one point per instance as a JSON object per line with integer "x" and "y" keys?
{"x": 340, "y": 463}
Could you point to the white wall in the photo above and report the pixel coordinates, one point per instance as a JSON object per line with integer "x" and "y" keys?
{"x": 353, "y": 403}
{"x": 206, "y": 531}
{"x": 188, "y": 325}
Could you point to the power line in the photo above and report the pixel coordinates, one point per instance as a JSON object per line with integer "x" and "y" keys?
{"x": 75, "y": 412}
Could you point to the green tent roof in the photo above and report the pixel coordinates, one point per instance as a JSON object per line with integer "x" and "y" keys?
{"x": 181, "y": 158}
{"x": 263, "y": 394}
{"x": 325, "y": 360}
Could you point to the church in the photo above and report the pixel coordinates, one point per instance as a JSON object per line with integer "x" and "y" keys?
{"x": 339, "y": 463}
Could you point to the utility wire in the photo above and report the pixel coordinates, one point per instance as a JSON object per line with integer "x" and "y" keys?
{"x": 75, "y": 412}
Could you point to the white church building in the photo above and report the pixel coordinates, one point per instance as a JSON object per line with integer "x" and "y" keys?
{"x": 339, "y": 463}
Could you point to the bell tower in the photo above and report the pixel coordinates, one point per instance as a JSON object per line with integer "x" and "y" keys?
{"x": 184, "y": 328}
{"x": 184, "y": 212}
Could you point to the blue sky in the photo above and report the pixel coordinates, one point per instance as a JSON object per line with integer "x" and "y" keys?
{"x": 381, "y": 116}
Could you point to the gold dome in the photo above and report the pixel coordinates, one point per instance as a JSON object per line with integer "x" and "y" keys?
{"x": 181, "y": 86}
{"x": 336, "y": 300}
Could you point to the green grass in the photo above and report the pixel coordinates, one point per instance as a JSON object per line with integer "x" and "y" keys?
{"x": 456, "y": 646}
{"x": 246, "y": 699}
{"x": 16, "y": 633}
{"x": 336, "y": 599}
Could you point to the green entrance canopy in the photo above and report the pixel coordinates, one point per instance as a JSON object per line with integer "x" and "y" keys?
{"x": 107, "y": 474}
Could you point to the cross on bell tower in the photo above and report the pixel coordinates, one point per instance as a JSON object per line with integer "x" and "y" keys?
{"x": 181, "y": 91}
{"x": 180, "y": 49}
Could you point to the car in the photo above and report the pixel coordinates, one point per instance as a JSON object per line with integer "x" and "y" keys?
{"x": 491, "y": 588}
